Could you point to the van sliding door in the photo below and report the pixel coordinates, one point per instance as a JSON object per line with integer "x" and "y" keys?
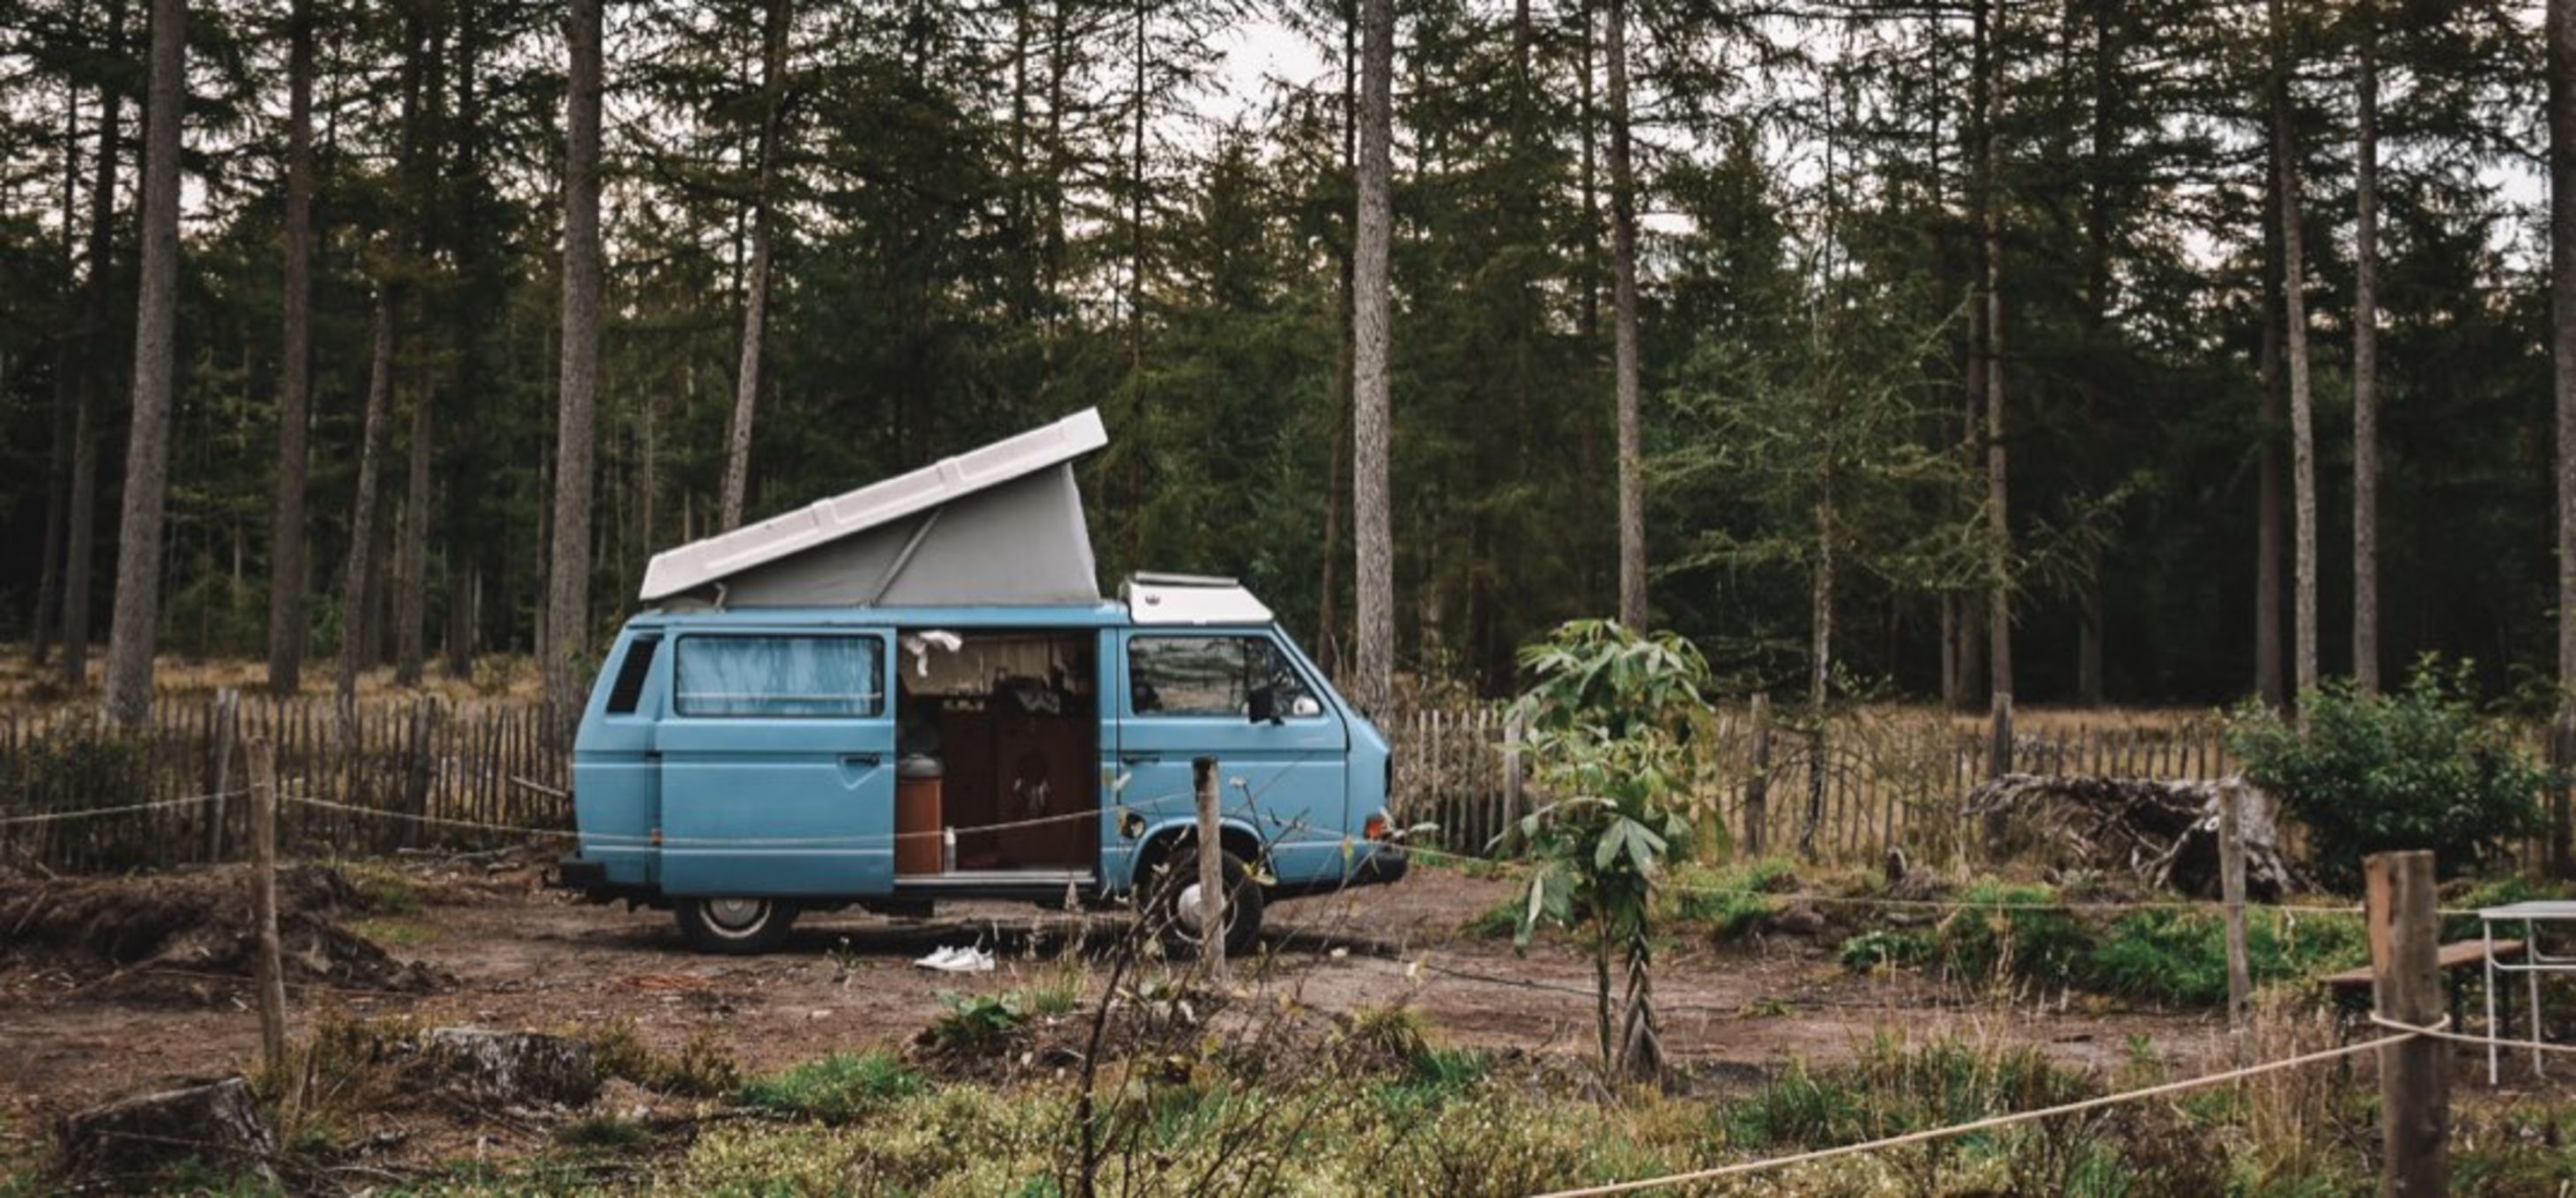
{"x": 778, "y": 765}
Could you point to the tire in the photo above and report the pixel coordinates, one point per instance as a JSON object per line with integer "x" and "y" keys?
{"x": 1174, "y": 899}
{"x": 735, "y": 926}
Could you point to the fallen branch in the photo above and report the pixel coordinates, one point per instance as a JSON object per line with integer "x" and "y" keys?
{"x": 2162, "y": 831}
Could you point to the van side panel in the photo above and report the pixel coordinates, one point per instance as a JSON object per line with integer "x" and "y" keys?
{"x": 617, "y": 792}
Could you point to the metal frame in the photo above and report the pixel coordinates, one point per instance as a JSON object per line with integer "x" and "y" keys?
{"x": 2533, "y": 964}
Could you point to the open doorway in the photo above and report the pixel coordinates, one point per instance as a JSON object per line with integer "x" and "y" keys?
{"x": 1006, "y": 723}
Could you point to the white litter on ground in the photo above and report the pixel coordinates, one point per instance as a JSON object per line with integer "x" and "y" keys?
{"x": 958, "y": 960}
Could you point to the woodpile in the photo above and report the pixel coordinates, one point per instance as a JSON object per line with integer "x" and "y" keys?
{"x": 2164, "y": 832}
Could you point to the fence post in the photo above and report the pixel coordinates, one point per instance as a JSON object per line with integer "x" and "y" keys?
{"x": 1203, "y": 772}
{"x": 417, "y": 771}
{"x": 1999, "y": 761}
{"x": 2231, "y": 888}
{"x": 227, "y": 716}
{"x": 2414, "y": 1074}
{"x": 270, "y": 972}
{"x": 1511, "y": 771}
{"x": 1757, "y": 789}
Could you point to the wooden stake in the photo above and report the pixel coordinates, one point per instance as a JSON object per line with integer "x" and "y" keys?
{"x": 227, "y": 722}
{"x": 1203, "y": 773}
{"x": 1757, "y": 788}
{"x": 2414, "y": 1075}
{"x": 2231, "y": 888}
{"x": 271, "y": 975}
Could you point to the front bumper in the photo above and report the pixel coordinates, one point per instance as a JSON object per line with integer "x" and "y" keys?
{"x": 1386, "y": 863}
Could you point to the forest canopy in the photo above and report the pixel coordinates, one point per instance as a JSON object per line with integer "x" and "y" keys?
{"x": 1882, "y": 249}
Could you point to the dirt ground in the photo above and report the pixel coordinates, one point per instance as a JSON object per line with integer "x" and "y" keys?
{"x": 506, "y": 953}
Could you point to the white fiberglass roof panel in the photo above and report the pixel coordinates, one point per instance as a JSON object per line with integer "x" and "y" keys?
{"x": 715, "y": 559}
{"x": 1152, "y": 603}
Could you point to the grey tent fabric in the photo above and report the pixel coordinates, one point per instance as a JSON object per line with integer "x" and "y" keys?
{"x": 1023, "y": 542}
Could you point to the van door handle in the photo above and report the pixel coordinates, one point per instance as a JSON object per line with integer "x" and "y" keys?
{"x": 1140, "y": 758}
{"x": 862, "y": 758}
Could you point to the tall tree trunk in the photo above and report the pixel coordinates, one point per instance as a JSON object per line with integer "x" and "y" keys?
{"x": 286, "y": 632}
{"x": 2562, "y": 321}
{"x": 1330, "y": 641}
{"x": 2268, "y": 680}
{"x": 1623, "y": 284}
{"x": 135, "y": 632}
{"x": 80, "y": 516}
{"x": 755, "y": 302}
{"x": 411, "y": 599}
{"x": 1999, "y": 582}
{"x": 568, "y": 585}
{"x": 1588, "y": 179}
{"x": 357, "y": 590}
{"x": 2294, "y": 326}
{"x": 1372, "y": 527}
{"x": 2365, "y": 363}
{"x": 424, "y": 148}
{"x": 49, "y": 575}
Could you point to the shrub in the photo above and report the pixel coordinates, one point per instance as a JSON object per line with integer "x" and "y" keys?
{"x": 835, "y": 1089}
{"x": 2011, "y": 931}
{"x": 973, "y": 1020}
{"x": 702, "y": 1068}
{"x": 1885, "y": 946}
{"x": 2416, "y": 769}
{"x": 1732, "y": 902}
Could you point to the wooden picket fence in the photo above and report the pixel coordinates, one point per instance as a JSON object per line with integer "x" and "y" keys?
{"x": 1846, "y": 790}
{"x": 492, "y": 763}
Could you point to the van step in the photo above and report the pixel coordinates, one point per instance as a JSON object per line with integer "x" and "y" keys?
{"x": 994, "y": 877}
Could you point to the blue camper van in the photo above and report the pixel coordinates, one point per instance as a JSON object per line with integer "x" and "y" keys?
{"x": 913, "y": 692}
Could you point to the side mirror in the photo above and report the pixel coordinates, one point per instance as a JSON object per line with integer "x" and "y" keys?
{"x": 1305, "y": 707}
{"x": 1263, "y": 705}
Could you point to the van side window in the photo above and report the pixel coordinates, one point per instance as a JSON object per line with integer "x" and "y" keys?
{"x": 1207, "y": 675}
{"x": 819, "y": 676}
{"x": 631, "y": 672}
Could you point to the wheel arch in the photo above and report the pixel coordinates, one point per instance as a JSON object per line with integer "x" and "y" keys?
{"x": 1233, "y": 836}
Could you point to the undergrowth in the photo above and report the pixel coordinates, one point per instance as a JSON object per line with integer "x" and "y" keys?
{"x": 835, "y": 1089}
{"x": 2025, "y": 933}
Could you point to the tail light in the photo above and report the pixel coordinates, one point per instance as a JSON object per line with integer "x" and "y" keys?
{"x": 1377, "y": 827}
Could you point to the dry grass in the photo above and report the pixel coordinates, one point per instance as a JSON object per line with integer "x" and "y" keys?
{"x": 24, "y": 688}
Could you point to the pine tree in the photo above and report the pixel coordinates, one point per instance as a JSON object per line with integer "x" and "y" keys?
{"x": 568, "y": 585}
{"x": 1372, "y": 522}
{"x": 135, "y": 633}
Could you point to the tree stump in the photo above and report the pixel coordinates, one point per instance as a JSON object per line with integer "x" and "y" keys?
{"x": 132, "y": 1140}
{"x": 513, "y": 1068}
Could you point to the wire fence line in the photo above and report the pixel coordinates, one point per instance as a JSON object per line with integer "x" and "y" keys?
{"x": 1995, "y": 1122}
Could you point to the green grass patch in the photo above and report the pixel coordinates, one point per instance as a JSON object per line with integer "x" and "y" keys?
{"x": 2014, "y": 932}
{"x": 384, "y": 889}
{"x": 835, "y": 1089}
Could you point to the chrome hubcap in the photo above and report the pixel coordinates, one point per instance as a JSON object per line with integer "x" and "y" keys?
{"x": 735, "y": 914}
{"x": 1189, "y": 913}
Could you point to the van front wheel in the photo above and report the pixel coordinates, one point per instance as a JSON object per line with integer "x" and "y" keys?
{"x": 1175, "y": 900}
{"x": 736, "y": 926}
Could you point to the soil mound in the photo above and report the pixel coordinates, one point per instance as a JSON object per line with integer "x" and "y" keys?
{"x": 197, "y": 923}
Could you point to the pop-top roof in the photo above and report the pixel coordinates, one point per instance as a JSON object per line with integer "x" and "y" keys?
{"x": 1189, "y": 599}
{"x": 1007, "y": 519}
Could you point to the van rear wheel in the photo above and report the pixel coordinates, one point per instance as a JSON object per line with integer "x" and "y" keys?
{"x": 1175, "y": 900}
{"x": 736, "y": 926}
